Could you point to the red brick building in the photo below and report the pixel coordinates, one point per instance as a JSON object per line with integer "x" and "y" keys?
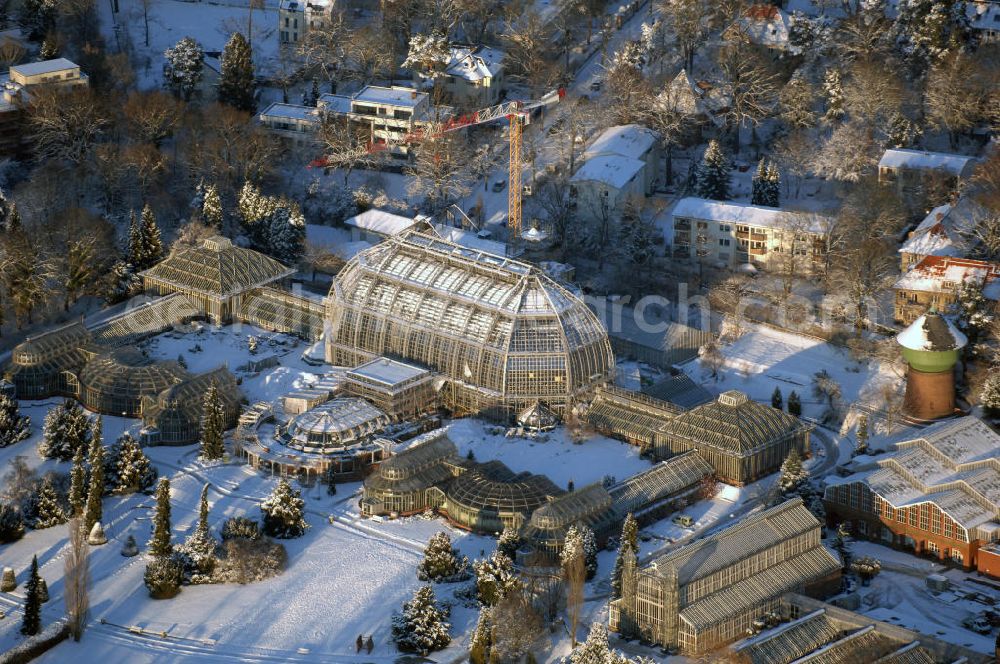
{"x": 937, "y": 495}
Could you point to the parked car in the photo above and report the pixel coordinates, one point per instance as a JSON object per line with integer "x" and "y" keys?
{"x": 978, "y": 624}
{"x": 499, "y": 185}
{"x": 683, "y": 520}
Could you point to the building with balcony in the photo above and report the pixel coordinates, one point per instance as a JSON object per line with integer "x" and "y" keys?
{"x": 728, "y": 235}
{"x": 936, "y": 495}
{"x": 935, "y": 282}
{"x": 707, "y": 594}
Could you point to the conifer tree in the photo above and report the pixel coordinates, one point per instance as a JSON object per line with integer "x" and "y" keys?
{"x": 50, "y": 48}
{"x": 48, "y": 511}
{"x": 159, "y": 544}
{"x": 14, "y": 427}
{"x": 596, "y": 649}
{"x": 314, "y": 93}
{"x": 283, "y": 512}
{"x": 862, "y": 434}
{"x": 773, "y": 185}
{"x": 93, "y": 512}
{"x": 793, "y": 473}
{"x": 199, "y": 548}
{"x": 584, "y": 538}
{"x": 128, "y": 468}
{"x": 628, "y": 546}
{"x": 11, "y": 524}
{"x": 183, "y": 68}
{"x": 442, "y": 562}
{"x": 31, "y": 623}
{"x": 757, "y": 183}
{"x": 834, "y": 92}
{"x": 421, "y": 627}
{"x": 712, "y": 175}
{"x": 211, "y": 210}
{"x": 776, "y": 399}
{"x": 508, "y": 542}
{"x": 989, "y": 397}
{"x": 212, "y": 425}
{"x": 482, "y": 638}
{"x": 66, "y": 429}
{"x": 495, "y": 578}
{"x": 794, "y": 404}
{"x": 236, "y": 76}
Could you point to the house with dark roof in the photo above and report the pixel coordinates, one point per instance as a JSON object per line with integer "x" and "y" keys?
{"x": 742, "y": 439}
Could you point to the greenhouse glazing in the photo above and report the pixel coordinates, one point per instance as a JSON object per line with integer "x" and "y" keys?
{"x": 505, "y": 334}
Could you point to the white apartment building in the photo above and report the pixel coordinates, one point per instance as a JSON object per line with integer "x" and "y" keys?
{"x": 297, "y": 17}
{"x": 728, "y": 235}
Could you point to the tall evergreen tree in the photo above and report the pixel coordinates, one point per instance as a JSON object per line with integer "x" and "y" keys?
{"x": 31, "y": 623}
{"x": 14, "y": 427}
{"x": 199, "y": 548}
{"x": 211, "y": 209}
{"x": 48, "y": 510}
{"x": 776, "y": 399}
{"x": 236, "y": 76}
{"x": 793, "y": 473}
{"x": 628, "y": 546}
{"x": 442, "y": 562}
{"x": 862, "y": 434}
{"x": 712, "y": 175}
{"x": 773, "y": 188}
{"x": 128, "y": 469}
{"x": 421, "y": 627}
{"x": 989, "y": 397}
{"x": 794, "y": 404}
{"x": 183, "y": 68}
{"x": 27, "y": 274}
{"x": 766, "y": 185}
{"x": 756, "y": 183}
{"x": 145, "y": 247}
{"x": 833, "y": 90}
{"x": 93, "y": 512}
{"x": 283, "y": 512}
{"x": 159, "y": 544}
{"x": 495, "y": 578}
{"x": 66, "y": 429}
{"x": 78, "y": 484}
{"x": 482, "y": 638}
{"x": 212, "y": 425}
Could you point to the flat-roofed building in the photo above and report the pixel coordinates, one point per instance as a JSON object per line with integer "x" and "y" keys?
{"x": 18, "y": 85}
{"x": 399, "y": 389}
{"x": 707, "y": 594}
{"x": 911, "y": 168}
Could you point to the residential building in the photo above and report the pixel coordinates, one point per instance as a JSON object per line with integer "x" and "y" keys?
{"x": 910, "y": 168}
{"x": 728, "y": 235}
{"x": 472, "y": 78}
{"x": 935, "y": 495}
{"x": 707, "y": 594}
{"x": 935, "y": 282}
{"x": 297, "y": 17}
{"x": 375, "y": 225}
{"x": 764, "y": 25}
{"x": 622, "y": 165}
{"x": 946, "y": 231}
{"x": 295, "y": 122}
{"x": 984, "y": 18}
{"x": 742, "y": 439}
{"x": 704, "y": 104}
{"x": 18, "y": 85}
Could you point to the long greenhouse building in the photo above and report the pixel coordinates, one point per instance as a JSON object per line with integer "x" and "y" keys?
{"x": 502, "y": 333}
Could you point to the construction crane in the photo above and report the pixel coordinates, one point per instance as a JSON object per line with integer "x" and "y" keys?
{"x": 517, "y": 112}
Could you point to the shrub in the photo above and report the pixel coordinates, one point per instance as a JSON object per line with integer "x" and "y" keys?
{"x": 163, "y": 577}
{"x": 247, "y": 560}
{"x": 11, "y": 524}
{"x": 240, "y": 527}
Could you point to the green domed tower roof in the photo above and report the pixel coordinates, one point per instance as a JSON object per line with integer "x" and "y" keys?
{"x": 931, "y": 343}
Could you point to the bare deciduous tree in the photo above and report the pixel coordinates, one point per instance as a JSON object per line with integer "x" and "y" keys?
{"x": 77, "y": 579}
{"x": 441, "y": 171}
{"x": 574, "y": 575}
{"x": 751, "y": 87}
{"x": 152, "y": 116}
{"x": 958, "y": 93}
{"x": 66, "y": 125}
{"x": 686, "y": 19}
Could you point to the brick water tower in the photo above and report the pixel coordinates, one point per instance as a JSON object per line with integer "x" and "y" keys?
{"x": 930, "y": 347}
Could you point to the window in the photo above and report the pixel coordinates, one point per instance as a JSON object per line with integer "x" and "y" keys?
{"x": 957, "y": 556}
{"x": 934, "y": 548}
{"x": 286, "y": 21}
{"x": 725, "y": 228}
{"x": 723, "y": 242}
{"x": 702, "y": 226}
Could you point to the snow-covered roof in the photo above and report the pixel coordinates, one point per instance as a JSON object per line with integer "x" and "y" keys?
{"x": 381, "y": 222}
{"x": 334, "y": 103}
{"x": 624, "y": 140}
{"x": 941, "y": 233}
{"x": 685, "y": 95}
{"x": 955, "y": 164}
{"x": 44, "y": 67}
{"x": 945, "y": 274}
{"x": 983, "y": 15}
{"x": 474, "y": 63}
{"x": 932, "y": 332}
{"x": 613, "y": 170}
{"x": 394, "y": 96}
{"x": 954, "y": 465}
{"x": 743, "y": 213}
{"x": 765, "y": 25}
{"x": 289, "y": 112}
{"x": 387, "y": 371}
{"x": 469, "y": 239}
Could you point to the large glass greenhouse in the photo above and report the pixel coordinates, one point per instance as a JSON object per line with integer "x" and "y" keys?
{"x": 505, "y": 334}
{"x": 117, "y": 381}
{"x": 491, "y": 497}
